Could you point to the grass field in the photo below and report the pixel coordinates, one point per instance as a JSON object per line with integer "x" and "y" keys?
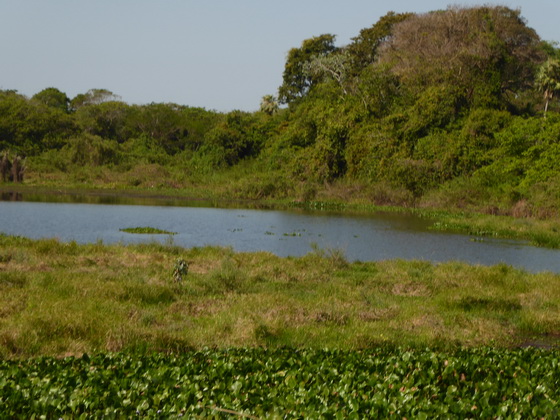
{"x": 111, "y": 331}
{"x": 62, "y": 299}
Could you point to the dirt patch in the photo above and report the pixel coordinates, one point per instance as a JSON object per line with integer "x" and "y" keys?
{"x": 549, "y": 341}
{"x": 410, "y": 289}
{"x": 204, "y": 267}
{"x": 197, "y": 309}
{"x": 377, "y": 314}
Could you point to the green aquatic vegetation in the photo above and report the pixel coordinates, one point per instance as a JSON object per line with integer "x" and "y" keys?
{"x": 386, "y": 382}
{"x": 147, "y": 230}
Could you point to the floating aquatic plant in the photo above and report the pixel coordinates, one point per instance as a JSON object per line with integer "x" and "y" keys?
{"x": 147, "y": 229}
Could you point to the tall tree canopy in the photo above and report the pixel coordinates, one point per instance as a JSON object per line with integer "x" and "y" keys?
{"x": 54, "y": 98}
{"x": 93, "y": 97}
{"x": 364, "y": 47}
{"x": 296, "y": 80}
{"x": 487, "y": 51}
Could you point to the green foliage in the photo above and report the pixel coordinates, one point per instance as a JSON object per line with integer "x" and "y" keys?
{"x": 477, "y": 141}
{"x": 107, "y": 119}
{"x": 196, "y": 122}
{"x": 369, "y": 147}
{"x": 53, "y": 97}
{"x": 163, "y": 123}
{"x": 377, "y": 89}
{"x": 269, "y": 104}
{"x": 417, "y": 106}
{"x": 29, "y": 127}
{"x": 238, "y": 136}
{"x": 364, "y": 47}
{"x": 93, "y": 97}
{"x": 180, "y": 270}
{"x": 296, "y": 80}
{"x": 326, "y": 160}
{"x": 545, "y": 166}
{"x": 484, "y": 51}
{"x": 147, "y": 230}
{"x": 435, "y": 108}
{"x": 383, "y": 383}
{"x": 548, "y": 80}
{"x": 144, "y": 149}
{"x": 89, "y": 149}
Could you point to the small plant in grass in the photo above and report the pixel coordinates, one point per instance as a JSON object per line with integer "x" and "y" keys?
{"x": 334, "y": 255}
{"x": 181, "y": 269}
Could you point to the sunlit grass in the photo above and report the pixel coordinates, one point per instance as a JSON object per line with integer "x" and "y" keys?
{"x": 544, "y": 233}
{"x": 64, "y": 298}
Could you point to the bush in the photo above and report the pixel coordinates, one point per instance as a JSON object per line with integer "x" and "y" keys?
{"x": 88, "y": 149}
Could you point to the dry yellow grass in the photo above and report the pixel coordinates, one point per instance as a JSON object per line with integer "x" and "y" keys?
{"x": 60, "y": 299}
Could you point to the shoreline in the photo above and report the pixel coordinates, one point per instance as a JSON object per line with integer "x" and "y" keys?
{"x": 539, "y": 232}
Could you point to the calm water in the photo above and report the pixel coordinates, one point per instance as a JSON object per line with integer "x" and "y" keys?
{"x": 284, "y": 233}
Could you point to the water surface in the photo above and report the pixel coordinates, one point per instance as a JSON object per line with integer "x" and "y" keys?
{"x": 370, "y": 237}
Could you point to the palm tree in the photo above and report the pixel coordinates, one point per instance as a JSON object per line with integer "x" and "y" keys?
{"x": 269, "y": 104}
{"x": 548, "y": 80}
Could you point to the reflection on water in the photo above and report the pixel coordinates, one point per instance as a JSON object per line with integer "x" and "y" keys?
{"x": 363, "y": 237}
{"x": 11, "y": 196}
{"x": 127, "y": 199}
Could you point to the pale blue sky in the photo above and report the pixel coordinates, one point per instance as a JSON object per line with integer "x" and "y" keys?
{"x": 216, "y": 54}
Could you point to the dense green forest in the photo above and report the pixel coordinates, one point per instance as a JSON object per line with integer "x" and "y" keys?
{"x": 448, "y": 109}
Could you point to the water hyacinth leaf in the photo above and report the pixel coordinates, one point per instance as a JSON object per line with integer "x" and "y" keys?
{"x": 310, "y": 383}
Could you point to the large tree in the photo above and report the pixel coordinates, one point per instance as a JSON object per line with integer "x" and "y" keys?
{"x": 109, "y": 120}
{"x": 53, "y": 97}
{"x": 296, "y": 80}
{"x": 487, "y": 51}
{"x": 93, "y": 97}
{"x": 30, "y": 126}
{"x": 163, "y": 123}
{"x": 364, "y": 48}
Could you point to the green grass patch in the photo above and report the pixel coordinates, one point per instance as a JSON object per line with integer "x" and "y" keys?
{"x": 147, "y": 230}
{"x": 62, "y": 299}
{"x": 544, "y": 233}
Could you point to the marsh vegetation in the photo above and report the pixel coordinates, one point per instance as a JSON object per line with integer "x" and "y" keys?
{"x": 63, "y": 298}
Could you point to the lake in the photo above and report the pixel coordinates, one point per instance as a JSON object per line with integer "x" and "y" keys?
{"x": 364, "y": 237}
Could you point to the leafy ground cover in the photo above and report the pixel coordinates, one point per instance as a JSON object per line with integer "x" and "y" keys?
{"x": 287, "y": 383}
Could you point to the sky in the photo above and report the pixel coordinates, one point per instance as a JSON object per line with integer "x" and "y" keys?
{"x": 221, "y": 55}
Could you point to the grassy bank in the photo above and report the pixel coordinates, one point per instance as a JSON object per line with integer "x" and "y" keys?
{"x": 66, "y": 299}
{"x": 544, "y": 233}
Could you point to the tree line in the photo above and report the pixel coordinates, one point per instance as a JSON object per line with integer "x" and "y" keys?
{"x": 456, "y": 104}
